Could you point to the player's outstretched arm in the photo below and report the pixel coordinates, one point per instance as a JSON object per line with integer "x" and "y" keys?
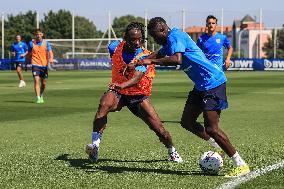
{"x": 175, "y": 59}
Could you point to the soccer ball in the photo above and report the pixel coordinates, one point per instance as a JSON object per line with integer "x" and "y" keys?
{"x": 211, "y": 163}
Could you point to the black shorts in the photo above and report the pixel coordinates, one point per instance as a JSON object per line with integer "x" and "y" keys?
{"x": 40, "y": 71}
{"x": 131, "y": 101}
{"x": 18, "y": 64}
{"x": 213, "y": 99}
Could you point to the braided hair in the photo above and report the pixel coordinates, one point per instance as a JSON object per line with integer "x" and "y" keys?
{"x": 136, "y": 26}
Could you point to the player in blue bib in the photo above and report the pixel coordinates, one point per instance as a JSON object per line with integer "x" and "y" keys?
{"x": 19, "y": 50}
{"x": 209, "y": 93}
{"x": 212, "y": 44}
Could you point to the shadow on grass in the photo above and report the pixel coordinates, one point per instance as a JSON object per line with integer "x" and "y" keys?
{"x": 20, "y": 101}
{"x": 166, "y": 121}
{"x": 90, "y": 167}
{"x": 169, "y": 121}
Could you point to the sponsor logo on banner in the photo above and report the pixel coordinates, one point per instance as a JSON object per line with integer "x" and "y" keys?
{"x": 273, "y": 64}
{"x": 241, "y": 65}
{"x": 95, "y": 64}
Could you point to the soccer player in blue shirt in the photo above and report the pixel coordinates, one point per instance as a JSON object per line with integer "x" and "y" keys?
{"x": 209, "y": 93}
{"x": 212, "y": 44}
{"x": 19, "y": 50}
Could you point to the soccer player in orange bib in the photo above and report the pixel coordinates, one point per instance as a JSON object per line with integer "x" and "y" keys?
{"x": 130, "y": 88}
{"x": 41, "y": 53}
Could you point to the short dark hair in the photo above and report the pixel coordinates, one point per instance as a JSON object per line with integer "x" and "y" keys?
{"x": 38, "y": 30}
{"x": 155, "y": 21}
{"x": 136, "y": 26}
{"x": 211, "y": 17}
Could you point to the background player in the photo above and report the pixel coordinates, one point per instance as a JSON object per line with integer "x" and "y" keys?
{"x": 209, "y": 93}
{"x": 212, "y": 44}
{"x": 41, "y": 53}
{"x": 130, "y": 88}
{"x": 19, "y": 50}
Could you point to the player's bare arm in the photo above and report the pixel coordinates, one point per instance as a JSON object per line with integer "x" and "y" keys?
{"x": 50, "y": 54}
{"x": 228, "y": 58}
{"x": 133, "y": 81}
{"x": 23, "y": 55}
{"x": 175, "y": 59}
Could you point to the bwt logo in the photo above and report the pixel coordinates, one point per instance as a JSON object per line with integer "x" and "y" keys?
{"x": 241, "y": 65}
{"x": 273, "y": 65}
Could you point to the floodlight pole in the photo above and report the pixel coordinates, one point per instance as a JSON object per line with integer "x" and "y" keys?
{"x": 183, "y": 20}
{"x": 275, "y": 43}
{"x": 109, "y": 27}
{"x": 73, "y": 35}
{"x": 260, "y": 33}
{"x": 3, "y": 22}
{"x": 37, "y": 20}
{"x": 222, "y": 21}
{"x": 146, "y": 29}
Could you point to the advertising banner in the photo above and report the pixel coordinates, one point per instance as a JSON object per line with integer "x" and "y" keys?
{"x": 242, "y": 64}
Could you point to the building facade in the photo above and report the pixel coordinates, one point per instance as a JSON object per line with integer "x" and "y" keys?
{"x": 247, "y": 36}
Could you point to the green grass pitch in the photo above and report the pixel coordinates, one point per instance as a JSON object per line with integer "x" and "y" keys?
{"x": 42, "y": 145}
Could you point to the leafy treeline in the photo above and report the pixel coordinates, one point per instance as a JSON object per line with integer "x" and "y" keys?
{"x": 58, "y": 25}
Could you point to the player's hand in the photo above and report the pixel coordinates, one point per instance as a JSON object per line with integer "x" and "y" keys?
{"x": 227, "y": 63}
{"x": 114, "y": 86}
{"x": 13, "y": 53}
{"x": 144, "y": 61}
{"x": 51, "y": 61}
{"x": 128, "y": 68}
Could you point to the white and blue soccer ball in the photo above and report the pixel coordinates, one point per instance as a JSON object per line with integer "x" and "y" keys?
{"x": 211, "y": 163}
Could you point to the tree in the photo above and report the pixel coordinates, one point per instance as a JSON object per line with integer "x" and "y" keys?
{"x": 59, "y": 26}
{"x": 269, "y": 46}
{"x": 22, "y": 24}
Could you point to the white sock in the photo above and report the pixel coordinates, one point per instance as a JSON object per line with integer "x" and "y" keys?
{"x": 238, "y": 161}
{"x": 213, "y": 143}
{"x": 96, "y": 138}
{"x": 171, "y": 149}
{"x": 38, "y": 97}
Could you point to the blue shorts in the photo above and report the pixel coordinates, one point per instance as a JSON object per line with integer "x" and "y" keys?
{"x": 42, "y": 72}
{"x": 131, "y": 101}
{"x": 213, "y": 99}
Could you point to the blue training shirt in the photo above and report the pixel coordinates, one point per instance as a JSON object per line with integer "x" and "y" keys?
{"x": 198, "y": 68}
{"x": 19, "y": 48}
{"x": 128, "y": 57}
{"x": 212, "y": 46}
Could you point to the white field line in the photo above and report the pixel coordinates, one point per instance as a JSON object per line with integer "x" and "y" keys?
{"x": 239, "y": 180}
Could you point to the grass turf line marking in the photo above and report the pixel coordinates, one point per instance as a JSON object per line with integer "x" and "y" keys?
{"x": 237, "y": 181}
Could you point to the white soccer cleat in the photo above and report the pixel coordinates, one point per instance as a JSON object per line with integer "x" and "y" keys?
{"x": 93, "y": 152}
{"x": 22, "y": 84}
{"x": 175, "y": 157}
